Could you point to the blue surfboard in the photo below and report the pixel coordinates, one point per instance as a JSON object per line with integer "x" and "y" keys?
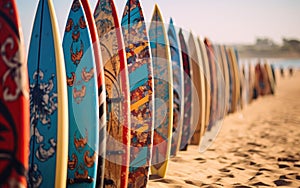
{"x": 83, "y": 100}
{"x": 48, "y": 102}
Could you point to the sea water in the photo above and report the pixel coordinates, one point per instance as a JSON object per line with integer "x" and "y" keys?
{"x": 277, "y": 63}
{"x": 285, "y": 63}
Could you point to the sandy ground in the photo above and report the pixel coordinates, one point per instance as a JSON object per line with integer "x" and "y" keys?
{"x": 257, "y": 147}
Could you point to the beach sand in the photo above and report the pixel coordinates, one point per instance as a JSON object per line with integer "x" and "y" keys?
{"x": 258, "y": 146}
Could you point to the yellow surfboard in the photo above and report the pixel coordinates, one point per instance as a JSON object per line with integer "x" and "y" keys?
{"x": 62, "y": 105}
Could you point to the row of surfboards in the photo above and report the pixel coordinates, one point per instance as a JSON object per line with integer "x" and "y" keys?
{"x": 111, "y": 101}
{"x": 258, "y": 78}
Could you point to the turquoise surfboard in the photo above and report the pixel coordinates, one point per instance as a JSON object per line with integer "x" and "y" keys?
{"x": 141, "y": 92}
{"x": 178, "y": 92}
{"x": 48, "y": 102}
{"x": 83, "y": 100}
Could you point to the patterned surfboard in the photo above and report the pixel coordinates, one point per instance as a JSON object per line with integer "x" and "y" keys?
{"x": 163, "y": 94}
{"x": 117, "y": 92}
{"x": 82, "y": 95}
{"x": 178, "y": 92}
{"x": 188, "y": 106}
{"x": 14, "y": 99}
{"x": 101, "y": 92}
{"x": 141, "y": 92}
{"x": 48, "y": 102}
{"x": 198, "y": 124}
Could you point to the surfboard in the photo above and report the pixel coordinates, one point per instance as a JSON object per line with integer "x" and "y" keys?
{"x": 178, "y": 92}
{"x": 83, "y": 95}
{"x": 213, "y": 79}
{"x": 141, "y": 92}
{"x": 48, "y": 102}
{"x": 188, "y": 106}
{"x": 101, "y": 92}
{"x": 268, "y": 69}
{"x": 221, "y": 95}
{"x": 226, "y": 77}
{"x": 268, "y": 76}
{"x": 251, "y": 73}
{"x": 206, "y": 80}
{"x": 245, "y": 84}
{"x": 163, "y": 94}
{"x": 117, "y": 92}
{"x": 198, "y": 92}
{"x": 235, "y": 79}
{"x": 259, "y": 80}
{"x": 231, "y": 81}
{"x": 14, "y": 99}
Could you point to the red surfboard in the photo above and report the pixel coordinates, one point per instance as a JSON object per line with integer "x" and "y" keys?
{"x": 14, "y": 99}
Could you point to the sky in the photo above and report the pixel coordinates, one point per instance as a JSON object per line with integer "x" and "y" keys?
{"x": 223, "y": 21}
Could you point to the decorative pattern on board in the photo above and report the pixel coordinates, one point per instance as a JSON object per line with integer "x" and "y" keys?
{"x": 141, "y": 92}
{"x": 43, "y": 101}
{"x": 13, "y": 83}
{"x": 82, "y": 94}
{"x": 77, "y": 50}
{"x": 43, "y": 105}
{"x": 10, "y": 54}
{"x": 186, "y": 127}
{"x": 117, "y": 94}
{"x": 13, "y": 74}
